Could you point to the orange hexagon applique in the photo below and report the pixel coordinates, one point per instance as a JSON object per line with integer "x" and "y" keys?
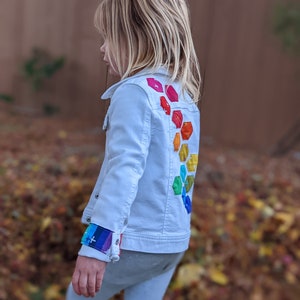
{"x": 165, "y": 105}
{"x": 186, "y": 130}
{"x": 177, "y": 141}
{"x": 177, "y": 118}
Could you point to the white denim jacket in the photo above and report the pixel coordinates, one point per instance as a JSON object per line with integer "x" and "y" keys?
{"x": 142, "y": 197}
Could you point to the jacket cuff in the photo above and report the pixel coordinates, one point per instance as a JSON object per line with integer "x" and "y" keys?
{"x": 100, "y": 243}
{"x": 93, "y": 253}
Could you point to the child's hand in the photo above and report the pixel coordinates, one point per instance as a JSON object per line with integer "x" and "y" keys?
{"x": 88, "y": 275}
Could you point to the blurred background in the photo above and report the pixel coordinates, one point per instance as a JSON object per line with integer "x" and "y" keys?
{"x": 246, "y": 238}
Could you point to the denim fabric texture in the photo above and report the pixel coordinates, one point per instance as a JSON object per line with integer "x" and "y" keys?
{"x": 145, "y": 186}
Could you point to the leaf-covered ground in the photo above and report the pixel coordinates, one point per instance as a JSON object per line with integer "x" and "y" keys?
{"x": 246, "y": 215}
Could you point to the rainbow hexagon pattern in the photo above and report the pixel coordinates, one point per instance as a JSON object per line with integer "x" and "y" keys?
{"x": 184, "y": 182}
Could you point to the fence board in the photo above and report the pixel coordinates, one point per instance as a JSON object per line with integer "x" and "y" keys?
{"x": 251, "y": 94}
{"x": 247, "y": 76}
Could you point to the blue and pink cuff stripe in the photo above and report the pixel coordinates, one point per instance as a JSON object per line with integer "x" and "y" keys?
{"x": 97, "y": 237}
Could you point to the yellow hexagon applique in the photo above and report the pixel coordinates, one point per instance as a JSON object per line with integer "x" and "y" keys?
{"x": 184, "y": 152}
{"x": 192, "y": 163}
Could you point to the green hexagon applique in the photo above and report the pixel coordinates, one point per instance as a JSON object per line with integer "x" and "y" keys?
{"x": 177, "y": 185}
{"x": 189, "y": 182}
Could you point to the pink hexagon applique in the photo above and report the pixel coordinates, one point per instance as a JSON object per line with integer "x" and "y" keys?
{"x": 186, "y": 130}
{"x": 171, "y": 93}
{"x": 177, "y": 118}
{"x": 165, "y": 105}
{"x": 155, "y": 84}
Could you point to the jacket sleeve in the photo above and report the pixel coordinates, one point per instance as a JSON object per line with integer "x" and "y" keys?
{"x": 128, "y": 138}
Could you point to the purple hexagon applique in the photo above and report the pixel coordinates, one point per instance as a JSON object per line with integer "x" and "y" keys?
{"x": 155, "y": 84}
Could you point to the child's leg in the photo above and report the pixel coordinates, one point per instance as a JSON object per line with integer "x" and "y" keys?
{"x": 152, "y": 289}
{"x": 135, "y": 270}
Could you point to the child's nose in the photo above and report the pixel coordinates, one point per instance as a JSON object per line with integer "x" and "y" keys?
{"x": 102, "y": 48}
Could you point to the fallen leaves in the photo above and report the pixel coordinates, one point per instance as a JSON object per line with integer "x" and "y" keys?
{"x": 187, "y": 275}
{"x": 245, "y": 229}
{"x": 218, "y": 276}
{"x": 245, "y": 240}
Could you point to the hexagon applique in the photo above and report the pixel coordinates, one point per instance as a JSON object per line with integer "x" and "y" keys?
{"x": 177, "y": 118}
{"x": 165, "y": 105}
{"x": 177, "y": 185}
{"x": 155, "y": 84}
{"x": 186, "y": 130}
{"x": 181, "y": 190}
{"x": 177, "y": 141}
{"x": 171, "y": 93}
{"x": 187, "y": 203}
{"x": 192, "y": 163}
{"x": 184, "y": 152}
{"x": 184, "y": 181}
{"x": 189, "y": 182}
{"x": 183, "y": 173}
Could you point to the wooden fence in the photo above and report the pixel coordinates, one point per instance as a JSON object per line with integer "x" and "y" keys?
{"x": 251, "y": 87}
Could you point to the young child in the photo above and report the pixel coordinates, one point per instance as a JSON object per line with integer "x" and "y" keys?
{"x": 142, "y": 200}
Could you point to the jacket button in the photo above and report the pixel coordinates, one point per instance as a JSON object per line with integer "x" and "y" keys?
{"x": 88, "y": 219}
{"x": 117, "y": 242}
{"x": 97, "y": 196}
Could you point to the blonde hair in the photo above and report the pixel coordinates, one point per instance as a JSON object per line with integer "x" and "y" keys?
{"x": 151, "y": 34}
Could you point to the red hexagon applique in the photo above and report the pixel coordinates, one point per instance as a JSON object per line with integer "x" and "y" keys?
{"x": 186, "y": 130}
{"x": 155, "y": 84}
{"x": 177, "y": 118}
{"x": 171, "y": 93}
{"x": 165, "y": 105}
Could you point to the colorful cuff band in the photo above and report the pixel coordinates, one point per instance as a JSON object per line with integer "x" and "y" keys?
{"x": 97, "y": 237}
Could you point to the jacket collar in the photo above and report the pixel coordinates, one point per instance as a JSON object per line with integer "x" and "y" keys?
{"x": 110, "y": 91}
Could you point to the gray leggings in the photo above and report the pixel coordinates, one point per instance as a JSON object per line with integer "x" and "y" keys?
{"x": 141, "y": 275}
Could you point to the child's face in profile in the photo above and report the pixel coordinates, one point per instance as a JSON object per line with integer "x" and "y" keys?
{"x": 108, "y": 59}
